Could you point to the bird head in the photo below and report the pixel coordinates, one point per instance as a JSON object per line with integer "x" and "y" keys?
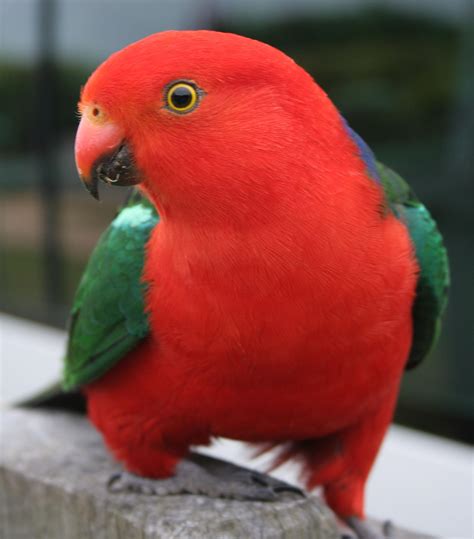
{"x": 204, "y": 121}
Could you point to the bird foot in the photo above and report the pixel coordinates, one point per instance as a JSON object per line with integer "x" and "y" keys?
{"x": 216, "y": 480}
{"x": 365, "y": 530}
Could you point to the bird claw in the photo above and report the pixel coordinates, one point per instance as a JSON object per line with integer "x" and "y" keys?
{"x": 191, "y": 478}
{"x": 252, "y": 485}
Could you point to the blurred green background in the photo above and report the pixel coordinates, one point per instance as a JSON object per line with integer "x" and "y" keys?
{"x": 401, "y": 72}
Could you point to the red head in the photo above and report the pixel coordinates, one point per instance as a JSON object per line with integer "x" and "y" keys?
{"x": 205, "y": 121}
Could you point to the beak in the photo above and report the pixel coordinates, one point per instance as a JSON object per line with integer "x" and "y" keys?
{"x": 102, "y": 153}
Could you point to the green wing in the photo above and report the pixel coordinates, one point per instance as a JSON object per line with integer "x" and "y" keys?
{"x": 108, "y": 316}
{"x": 433, "y": 282}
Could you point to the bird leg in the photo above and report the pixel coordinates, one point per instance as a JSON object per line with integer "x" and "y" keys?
{"x": 206, "y": 476}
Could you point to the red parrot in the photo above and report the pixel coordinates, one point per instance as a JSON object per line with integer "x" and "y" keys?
{"x": 271, "y": 285}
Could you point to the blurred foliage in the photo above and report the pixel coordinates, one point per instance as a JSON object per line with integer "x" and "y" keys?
{"x": 23, "y": 269}
{"x": 17, "y": 88}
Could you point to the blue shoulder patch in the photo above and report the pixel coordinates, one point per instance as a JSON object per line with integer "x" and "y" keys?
{"x": 365, "y": 152}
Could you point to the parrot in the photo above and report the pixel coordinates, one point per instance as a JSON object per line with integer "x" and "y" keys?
{"x": 268, "y": 280}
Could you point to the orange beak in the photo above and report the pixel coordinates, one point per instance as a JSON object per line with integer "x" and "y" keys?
{"x": 102, "y": 154}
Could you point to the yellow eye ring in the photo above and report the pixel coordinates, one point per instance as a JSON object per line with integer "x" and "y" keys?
{"x": 181, "y": 97}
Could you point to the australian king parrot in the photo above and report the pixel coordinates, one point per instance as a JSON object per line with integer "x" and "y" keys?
{"x": 270, "y": 281}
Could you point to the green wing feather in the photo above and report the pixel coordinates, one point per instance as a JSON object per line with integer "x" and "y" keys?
{"x": 108, "y": 317}
{"x": 433, "y": 282}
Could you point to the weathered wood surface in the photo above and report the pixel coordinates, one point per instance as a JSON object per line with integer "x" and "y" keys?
{"x": 53, "y": 472}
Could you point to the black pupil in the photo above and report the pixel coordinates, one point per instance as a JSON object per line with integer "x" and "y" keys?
{"x": 181, "y": 97}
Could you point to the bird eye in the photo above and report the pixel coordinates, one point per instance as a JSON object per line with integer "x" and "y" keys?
{"x": 182, "y": 97}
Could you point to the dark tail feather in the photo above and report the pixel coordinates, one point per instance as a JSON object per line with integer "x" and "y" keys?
{"x": 53, "y": 397}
